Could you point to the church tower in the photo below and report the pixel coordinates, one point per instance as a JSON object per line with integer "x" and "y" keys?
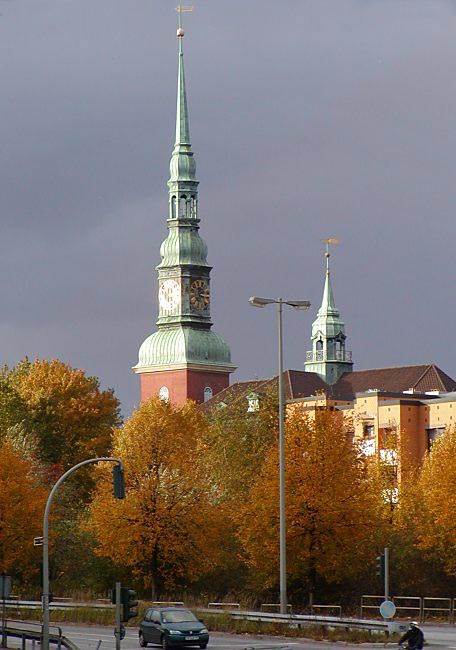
{"x": 184, "y": 358}
{"x": 328, "y": 357}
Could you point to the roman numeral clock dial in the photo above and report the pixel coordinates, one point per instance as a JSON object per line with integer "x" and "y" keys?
{"x": 199, "y": 295}
{"x": 169, "y": 296}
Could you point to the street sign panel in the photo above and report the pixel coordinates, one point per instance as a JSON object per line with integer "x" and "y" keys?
{"x": 387, "y": 609}
{"x": 37, "y": 541}
{"x": 5, "y": 587}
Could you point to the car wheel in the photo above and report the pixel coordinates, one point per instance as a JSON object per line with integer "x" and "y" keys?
{"x": 165, "y": 642}
{"x": 142, "y": 641}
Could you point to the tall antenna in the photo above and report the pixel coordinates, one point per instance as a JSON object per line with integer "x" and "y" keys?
{"x": 182, "y": 9}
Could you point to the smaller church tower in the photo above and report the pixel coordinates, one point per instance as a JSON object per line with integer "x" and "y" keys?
{"x": 328, "y": 357}
{"x": 184, "y": 359}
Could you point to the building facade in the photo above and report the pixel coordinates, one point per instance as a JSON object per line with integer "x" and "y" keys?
{"x": 184, "y": 359}
{"x": 409, "y": 406}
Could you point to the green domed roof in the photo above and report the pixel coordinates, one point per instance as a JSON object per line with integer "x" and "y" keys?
{"x": 183, "y": 246}
{"x": 177, "y": 346}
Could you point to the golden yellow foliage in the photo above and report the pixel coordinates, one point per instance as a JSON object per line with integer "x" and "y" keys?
{"x": 330, "y": 504}
{"x": 432, "y": 497}
{"x": 22, "y": 506}
{"x": 167, "y": 529}
{"x": 72, "y": 418}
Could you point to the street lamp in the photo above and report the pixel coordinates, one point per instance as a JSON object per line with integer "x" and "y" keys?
{"x": 119, "y": 493}
{"x": 255, "y": 301}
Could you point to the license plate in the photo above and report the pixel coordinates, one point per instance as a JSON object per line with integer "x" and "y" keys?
{"x": 191, "y": 638}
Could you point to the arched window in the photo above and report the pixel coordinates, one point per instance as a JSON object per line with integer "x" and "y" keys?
{"x": 173, "y": 207}
{"x": 183, "y": 206}
{"x": 208, "y": 393}
{"x": 319, "y": 345}
{"x": 163, "y": 393}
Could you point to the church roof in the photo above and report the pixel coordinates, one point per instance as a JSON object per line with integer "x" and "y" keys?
{"x": 297, "y": 383}
{"x": 300, "y": 384}
{"x": 420, "y": 379}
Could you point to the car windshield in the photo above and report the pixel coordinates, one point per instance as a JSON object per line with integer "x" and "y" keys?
{"x": 178, "y": 616}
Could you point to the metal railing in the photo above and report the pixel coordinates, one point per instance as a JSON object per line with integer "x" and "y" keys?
{"x": 224, "y": 605}
{"x": 437, "y": 606}
{"x": 409, "y": 604}
{"x": 316, "y": 356}
{"x": 34, "y": 632}
{"x": 329, "y": 608}
{"x": 273, "y": 606}
{"x": 303, "y": 620}
{"x": 370, "y": 602}
{"x": 420, "y": 608}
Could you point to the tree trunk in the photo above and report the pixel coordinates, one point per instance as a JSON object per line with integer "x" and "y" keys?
{"x": 154, "y": 572}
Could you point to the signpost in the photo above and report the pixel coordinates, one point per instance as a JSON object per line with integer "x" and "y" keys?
{"x": 5, "y": 592}
{"x": 387, "y": 609}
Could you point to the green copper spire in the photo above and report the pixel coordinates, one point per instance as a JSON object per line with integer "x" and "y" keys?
{"x": 328, "y": 356}
{"x": 184, "y": 335}
{"x": 182, "y": 166}
{"x": 182, "y": 127}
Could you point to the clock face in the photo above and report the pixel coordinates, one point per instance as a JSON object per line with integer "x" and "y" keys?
{"x": 199, "y": 294}
{"x": 169, "y": 295}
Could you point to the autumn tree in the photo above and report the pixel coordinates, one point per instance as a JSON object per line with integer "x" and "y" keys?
{"x": 238, "y": 440}
{"x": 64, "y": 409}
{"x": 167, "y": 530}
{"x": 331, "y": 505}
{"x": 432, "y": 497}
{"x": 21, "y": 510}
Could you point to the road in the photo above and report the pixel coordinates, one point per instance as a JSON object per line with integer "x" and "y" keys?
{"x": 440, "y": 637}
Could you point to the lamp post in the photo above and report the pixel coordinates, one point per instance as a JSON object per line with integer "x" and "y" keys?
{"x": 45, "y": 596}
{"x": 255, "y": 301}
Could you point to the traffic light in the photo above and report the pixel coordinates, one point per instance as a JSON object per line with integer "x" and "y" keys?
{"x": 380, "y": 563}
{"x": 118, "y": 482}
{"x": 129, "y": 600}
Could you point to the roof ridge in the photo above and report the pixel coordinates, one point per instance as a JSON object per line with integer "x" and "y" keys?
{"x": 423, "y": 374}
{"x": 413, "y": 365}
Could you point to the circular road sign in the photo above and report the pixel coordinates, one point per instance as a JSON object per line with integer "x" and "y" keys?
{"x": 387, "y": 609}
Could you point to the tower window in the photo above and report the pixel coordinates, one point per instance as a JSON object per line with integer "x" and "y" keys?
{"x": 319, "y": 345}
{"x": 253, "y": 402}
{"x": 183, "y": 206}
{"x": 173, "y": 207}
{"x": 208, "y": 393}
{"x": 163, "y": 393}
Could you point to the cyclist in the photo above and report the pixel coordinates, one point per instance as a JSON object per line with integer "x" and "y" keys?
{"x": 414, "y": 637}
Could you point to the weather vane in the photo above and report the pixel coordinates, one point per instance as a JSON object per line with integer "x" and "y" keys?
{"x": 331, "y": 241}
{"x": 182, "y": 9}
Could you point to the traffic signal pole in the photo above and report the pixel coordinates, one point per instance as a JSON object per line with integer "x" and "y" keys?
{"x": 45, "y": 595}
{"x": 118, "y": 615}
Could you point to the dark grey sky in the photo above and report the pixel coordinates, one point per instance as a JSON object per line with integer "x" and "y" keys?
{"x": 309, "y": 119}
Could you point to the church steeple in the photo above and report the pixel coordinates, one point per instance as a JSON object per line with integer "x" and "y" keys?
{"x": 184, "y": 358}
{"x": 328, "y": 356}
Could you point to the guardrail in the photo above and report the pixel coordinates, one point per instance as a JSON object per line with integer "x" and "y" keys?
{"x": 302, "y": 620}
{"x": 34, "y": 632}
{"x": 55, "y": 604}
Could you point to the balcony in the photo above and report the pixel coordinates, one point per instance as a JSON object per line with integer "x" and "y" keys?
{"x": 320, "y": 355}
